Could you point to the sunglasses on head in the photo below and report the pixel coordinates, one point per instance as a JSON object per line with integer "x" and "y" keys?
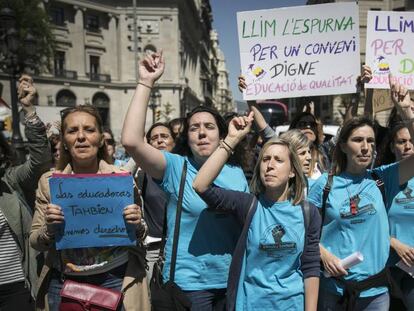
{"x": 110, "y": 141}
{"x": 306, "y": 124}
{"x": 66, "y": 111}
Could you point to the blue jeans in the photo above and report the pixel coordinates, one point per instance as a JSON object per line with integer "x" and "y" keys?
{"x": 406, "y": 283}
{"x": 329, "y": 302}
{"x": 207, "y": 300}
{"x": 109, "y": 279}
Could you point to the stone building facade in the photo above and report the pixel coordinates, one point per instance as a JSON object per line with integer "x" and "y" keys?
{"x": 95, "y": 58}
{"x": 224, "y": 100}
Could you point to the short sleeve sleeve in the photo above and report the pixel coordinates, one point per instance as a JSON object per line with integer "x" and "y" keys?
{"x": 390, "y": 176}
{"x": 316, "y": 191}
{"x": 172, "y": 173}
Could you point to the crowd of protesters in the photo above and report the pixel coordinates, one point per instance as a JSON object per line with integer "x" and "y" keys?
{"x": 275, "y": 244}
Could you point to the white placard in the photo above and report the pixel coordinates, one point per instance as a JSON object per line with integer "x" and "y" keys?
{"x": 299, "y": 51}
{"x": 348, "y": 262}
{"x": 390, "y": 48}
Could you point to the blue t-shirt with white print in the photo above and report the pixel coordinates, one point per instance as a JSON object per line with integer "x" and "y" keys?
{"x": 367, "y": 231}
{"x": 271, "y": 278}
{"x": 207, "y": 239}
{"x": 401, "y": 218}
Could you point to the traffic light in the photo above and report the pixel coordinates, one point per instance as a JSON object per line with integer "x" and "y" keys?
{"x": 157, "y": 115}
{"x": 8, "y": 124}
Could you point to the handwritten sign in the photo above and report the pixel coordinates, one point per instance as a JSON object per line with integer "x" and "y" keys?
{"x": 299, "y": 51}
{"x": 381, "y": 100}
{"x": 92, "y": 206}
{"x": 389, "y": 48}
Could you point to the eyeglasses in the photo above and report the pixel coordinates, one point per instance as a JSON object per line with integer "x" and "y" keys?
{"x": 163, "y": 137}
{"x": 110, "y": 141}
{"x": 66, "y": 111}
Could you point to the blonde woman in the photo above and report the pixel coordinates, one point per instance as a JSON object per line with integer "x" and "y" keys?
{"x": 276, "y": 262}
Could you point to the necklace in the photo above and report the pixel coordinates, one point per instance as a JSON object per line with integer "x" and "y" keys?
{"x": 354, "y": 199}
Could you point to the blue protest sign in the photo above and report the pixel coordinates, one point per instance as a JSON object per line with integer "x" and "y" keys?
{"x": 93, "y": 205}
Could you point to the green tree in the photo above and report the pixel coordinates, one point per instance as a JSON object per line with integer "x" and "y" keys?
{"x": 166, "y": 111}
{"x": 32, "y": 19}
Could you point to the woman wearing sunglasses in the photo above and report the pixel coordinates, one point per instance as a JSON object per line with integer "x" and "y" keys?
{"x": 83, "y": 151}
{"x": 18, "y": 261}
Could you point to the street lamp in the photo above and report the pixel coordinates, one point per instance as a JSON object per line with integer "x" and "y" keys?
{"x": 155, "y": 101}
{"x": 10, "y": 45}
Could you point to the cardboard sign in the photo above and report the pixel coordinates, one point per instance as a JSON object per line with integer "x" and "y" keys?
{"x": 299, "y": 51}
{"x": 381, "y": 100}
{"x": 389, "y": 49}
{"x": 92, "y": 206}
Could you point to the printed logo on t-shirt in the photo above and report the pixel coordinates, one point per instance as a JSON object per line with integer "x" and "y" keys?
{"x": 408, "y": 198}
{"x": 277, "y": 242}
{"x": 368, "y": 209}
{"x": 357, "y": 209}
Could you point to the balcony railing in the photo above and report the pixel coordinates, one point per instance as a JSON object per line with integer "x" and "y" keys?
{"x": 99, "y": 77}
{"x": 67, "y": 74}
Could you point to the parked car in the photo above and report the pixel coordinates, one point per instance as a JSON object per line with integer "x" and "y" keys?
{"x": 328, "y": 130}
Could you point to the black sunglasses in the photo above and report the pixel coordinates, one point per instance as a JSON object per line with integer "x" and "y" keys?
{"x": 110, "y": 141}
{"x": 306, "y": 124}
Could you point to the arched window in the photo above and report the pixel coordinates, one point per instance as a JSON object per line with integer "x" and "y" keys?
{"x": 101, "y": 101}
{"x": 65, "y": 98}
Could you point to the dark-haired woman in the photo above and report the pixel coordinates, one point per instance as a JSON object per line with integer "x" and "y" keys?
{"x": 401, "y": 214}
{"x": 18, "y": 262}
{"x": 356, "y": 217}
{"x": 83, "y": 151}
{"x": 161, "y": 136}
{"x": 206, "y": 239}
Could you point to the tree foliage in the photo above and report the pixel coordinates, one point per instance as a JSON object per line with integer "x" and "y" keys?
{"x": 32, "y": 18}
{"x": 166, "y": 112}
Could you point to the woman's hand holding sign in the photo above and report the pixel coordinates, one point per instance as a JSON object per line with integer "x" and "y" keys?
{"x": 132, "y": 214}
{"x": 54, "y": 217}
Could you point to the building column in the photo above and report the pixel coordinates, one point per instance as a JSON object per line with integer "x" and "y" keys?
{"x": 78, "y": 35}
{"x": 112, "y": 47}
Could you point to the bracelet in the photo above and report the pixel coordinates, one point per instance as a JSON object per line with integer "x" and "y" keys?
{"x": 231, "y": 149}
{"x": 146, "y": 85}
{"x": 32, "y": 118}
{"x": 222, "y": 146}
{"x": 226, "y": 147}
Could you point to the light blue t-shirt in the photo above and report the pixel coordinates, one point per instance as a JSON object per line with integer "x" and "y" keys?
{"x": 367, "y": 231}
{"x": 271, "y": 278}
{"x": 401, "y": 218}
{"x": 310, "y": 182}
{"x": 207, "y": 238}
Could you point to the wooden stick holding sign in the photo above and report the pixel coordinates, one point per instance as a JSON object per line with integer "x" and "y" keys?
{"x": 93, "y": 205}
